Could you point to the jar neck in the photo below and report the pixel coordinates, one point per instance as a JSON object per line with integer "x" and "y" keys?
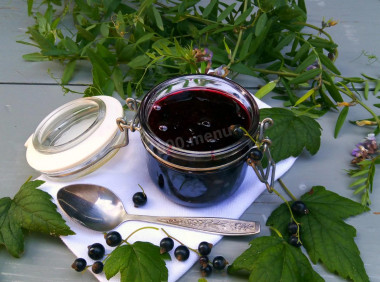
{"x": 193, "y": 160}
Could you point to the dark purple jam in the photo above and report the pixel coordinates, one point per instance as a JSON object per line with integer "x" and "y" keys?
{"x": 198, "y": 119}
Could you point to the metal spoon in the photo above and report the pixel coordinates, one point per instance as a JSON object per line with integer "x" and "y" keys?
{"x": 99, "y": 209}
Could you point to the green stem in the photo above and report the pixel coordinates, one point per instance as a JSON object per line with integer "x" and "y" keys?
{"x": 287, "y": 204}
{"x": 286, "y": 189}
{"x": 348, "y": 93}
{"x": 276, "y": 230}
{"x": 137, "y": 230}
{"x": 238, "y": 40}
{"x": 316, "y": 28}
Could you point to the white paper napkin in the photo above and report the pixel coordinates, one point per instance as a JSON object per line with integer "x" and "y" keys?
{"x": 122, "y": 174}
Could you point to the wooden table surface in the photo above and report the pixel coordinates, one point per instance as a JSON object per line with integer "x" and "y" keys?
{"x": 28, "y": 94}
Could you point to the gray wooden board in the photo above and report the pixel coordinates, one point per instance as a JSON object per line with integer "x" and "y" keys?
{"x": 21, "y": 109}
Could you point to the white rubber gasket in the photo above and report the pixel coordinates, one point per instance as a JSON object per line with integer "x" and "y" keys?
{"x": 82, "y": 152}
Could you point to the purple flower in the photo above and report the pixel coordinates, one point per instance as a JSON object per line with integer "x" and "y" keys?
{"x": 365, "y": 149}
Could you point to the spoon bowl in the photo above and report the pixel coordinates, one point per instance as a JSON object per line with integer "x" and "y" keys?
{"x": 99, "y": 209}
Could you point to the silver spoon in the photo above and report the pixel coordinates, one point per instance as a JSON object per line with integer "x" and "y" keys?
{"x": 99, "y": 209}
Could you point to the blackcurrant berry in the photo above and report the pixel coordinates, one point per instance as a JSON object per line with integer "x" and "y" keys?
{"x": 139, "y": 199}
{"x": 96, "y": 251}
{"x": 292, "y": 227}
{"x": 219, "y": 262}
{"x": 182, "y": 253}
{"x": 166, "y": 245}
{"x": 294, "y": 241}
{"x": 206, "y": 270}
{"x": 255, "y": 154}
{"x": 97, "y": 267}
{"x": 299, "y": 208}
{"x": 237, "y": 132}
{"x": 113, "y": 238}
{"x": 79, "y": 264}
{"x": 204, "y": 248}
{"x": 203, "y": 260}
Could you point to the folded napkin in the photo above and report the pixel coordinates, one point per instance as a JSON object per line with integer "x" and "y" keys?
{"x": 122, "y": 174}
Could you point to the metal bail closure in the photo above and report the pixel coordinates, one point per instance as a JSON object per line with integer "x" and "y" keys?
{"x": 132, "y": 125}
{"x": 257, "y": 153}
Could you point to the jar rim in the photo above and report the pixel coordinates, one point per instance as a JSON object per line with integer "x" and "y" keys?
{"x": 163, "y": 146}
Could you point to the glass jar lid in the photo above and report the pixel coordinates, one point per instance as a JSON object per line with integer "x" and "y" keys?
{"x": 75, "y": 135}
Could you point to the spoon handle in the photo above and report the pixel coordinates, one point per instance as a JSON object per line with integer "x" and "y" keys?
{"x": 215, "y": 225}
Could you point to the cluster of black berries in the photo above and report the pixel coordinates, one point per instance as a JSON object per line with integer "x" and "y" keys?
{"x": 182, "y": 253}
{"x": 96, "y": 252}
{"x": 218, "y": 263}
{"x": 299, "y": 208}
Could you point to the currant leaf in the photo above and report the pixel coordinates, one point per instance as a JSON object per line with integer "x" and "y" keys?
{"x": 140, "y": 261}
{"x": 31, "y": 209}
{"x": 11, "y": 235}
{"x": 291, "y": 134}
{"x": 34, "y": 211}
{"x": 324, "y": 234}
{"x": 271, "y": 258}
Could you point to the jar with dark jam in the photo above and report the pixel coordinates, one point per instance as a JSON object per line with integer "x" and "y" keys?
{"x": 187, "y": 125}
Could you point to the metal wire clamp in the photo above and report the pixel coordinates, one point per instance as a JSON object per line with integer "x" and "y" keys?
{"x": 265, "y": 176}
{"x": 134, "y": 124}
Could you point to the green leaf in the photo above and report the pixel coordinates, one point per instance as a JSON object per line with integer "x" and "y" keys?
{"x": 358, "y": 182}
{"x": 323, "y": 43}
{"x": 243, "y": 69}
{"x": 245, "y": 47}
{"x": 377, "y": 88}
{"x": 290, "y": 134}
{"x": 144, "y": 38}
{"x": 305, "y": 96}
{"x": 224, "y": 14}
{"x": 30, "y": 7}
{"x": 209, "y": 8}
{"x": 98, "y": 63}
{"x": 302, "y": 5}
{"x": 139, "y": 61}
{"x": 35, "y": 57}
{"x": 260, "y": 24}
{"x": 158, "y": 18}
{"x": 228, "y": 50}
{"x": 341, "y": 118}
{"x": 140, "y": 261}
{"x": 284, "y": 42}
{"x": 272, "y": 259}
{"x": 366, "y": 89}
{"x": 68, "y": 72}
{"x": 85, "y": 33}
{"x": 117, "y": 77}
{"x": 331, "y": 87}
{"x": 243, "y": 16}
{"x": 104, "y": 29}
{"x": 208, "y": 28}
{"x": 328, "y": 63}
{"x": 303, "y": 77}
{"x": 307, "y": 62}
{"x": 33, "y": 210}
{"x": 303, "y": 51}
{"x": 326, "y": 237}
{"x": 266, "y": 89}
{"x": 11, "y": 235}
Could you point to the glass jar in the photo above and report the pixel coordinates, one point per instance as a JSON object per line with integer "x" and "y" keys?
{"x": 186, "y": 175}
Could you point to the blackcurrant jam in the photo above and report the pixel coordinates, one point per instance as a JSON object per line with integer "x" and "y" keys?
{"x": 187, "y": 127}
{"x": 198, "y": 119}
